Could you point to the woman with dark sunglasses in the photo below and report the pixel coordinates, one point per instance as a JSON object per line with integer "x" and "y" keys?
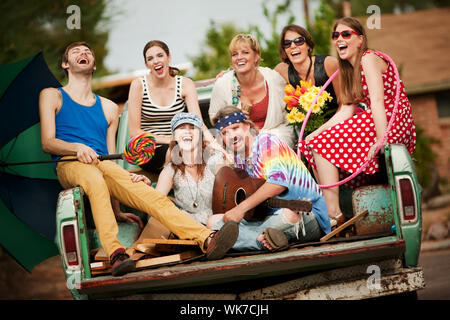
{"x": 257, "y": 91}
{"x": 295, "y": 48}
{"x": 349, "y": 139}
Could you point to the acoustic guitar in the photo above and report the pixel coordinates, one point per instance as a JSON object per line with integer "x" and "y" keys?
{"x": 234, "y": 185}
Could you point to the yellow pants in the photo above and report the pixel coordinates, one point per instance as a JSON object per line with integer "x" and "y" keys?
{"x": 105, "y": 179}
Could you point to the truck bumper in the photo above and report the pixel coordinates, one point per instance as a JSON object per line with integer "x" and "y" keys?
{"x": 351, "y": 283}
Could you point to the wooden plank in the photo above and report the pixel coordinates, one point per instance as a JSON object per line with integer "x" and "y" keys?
{"x": 101, "y": 255}
{"x": 170, "y": 248}
{"x": 130, "y": 251}
{"x": 148, "y": 248}
{"x": 106, "y": 271}
{"x": 136, "y": 256}
{"x": 171, "y": 241}
{"x": 167, "y": 259}
{"x": 344, "y": 225}
{"x": 153, "y": 229}
{"x": 100, "y": 265}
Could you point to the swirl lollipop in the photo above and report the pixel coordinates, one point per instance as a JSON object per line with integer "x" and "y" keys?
{"x": 140, "y": 149}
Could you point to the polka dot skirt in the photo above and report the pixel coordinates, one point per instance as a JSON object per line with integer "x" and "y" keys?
{"x": 347, "y": 144}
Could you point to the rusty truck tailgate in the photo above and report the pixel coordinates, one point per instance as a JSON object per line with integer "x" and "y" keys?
{"x": 231, "y": 269}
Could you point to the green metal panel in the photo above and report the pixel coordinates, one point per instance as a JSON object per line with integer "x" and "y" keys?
{"x": 391, "y": 180}
{"x": 377, "y": 200}
{"x": 401, "y": 164}
{"x": 123, "y": 138}
{"x": 78, "y": 194}
{"x": 128, "y": 233}
{"x": 204, "y": 93}
{"x": 66, "y": 211}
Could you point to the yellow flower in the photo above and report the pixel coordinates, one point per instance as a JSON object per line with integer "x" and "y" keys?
{"x": 289, "y": 90}
{"x": 299, "y": 117}
{"x": 321, "y": 101}
{"x": 310, "y": 96}
{"x": 316, "y": 108}
{"x": 315, "y": 90}
{"x": 291, "y": 115}
{"x": 305, "y": 84}
{"x": 302, "y": 102}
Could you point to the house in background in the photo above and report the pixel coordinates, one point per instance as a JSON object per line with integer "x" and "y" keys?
{"x": 419, "y": 44}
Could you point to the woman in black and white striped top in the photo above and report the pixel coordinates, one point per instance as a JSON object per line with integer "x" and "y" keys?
{"x": 155, "y": 98}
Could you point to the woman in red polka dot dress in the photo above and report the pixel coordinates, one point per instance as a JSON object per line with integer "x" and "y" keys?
{"x": 352, "y": 135}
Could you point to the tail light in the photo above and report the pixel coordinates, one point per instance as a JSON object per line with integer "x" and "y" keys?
{"x": 407, "y": 199}
{"x": 69, "y": 240}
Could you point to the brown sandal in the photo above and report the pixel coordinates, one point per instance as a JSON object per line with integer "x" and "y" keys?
{"x": 337, "y": 220}
{"x": 276, "y": 238}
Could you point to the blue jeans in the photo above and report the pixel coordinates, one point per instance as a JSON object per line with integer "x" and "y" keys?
{"x": 250, "y": 230}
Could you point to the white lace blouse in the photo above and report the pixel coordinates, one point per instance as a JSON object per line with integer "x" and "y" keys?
{"x": 196, "y": 198}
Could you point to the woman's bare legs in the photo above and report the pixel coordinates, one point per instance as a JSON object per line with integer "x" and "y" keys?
{"x": 328, "y": 174}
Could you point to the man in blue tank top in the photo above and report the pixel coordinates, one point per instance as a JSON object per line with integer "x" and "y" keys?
{"x": 77, "y": 122}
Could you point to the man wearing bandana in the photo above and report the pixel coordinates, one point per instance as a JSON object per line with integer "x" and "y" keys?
{"x": 265, "y": 156}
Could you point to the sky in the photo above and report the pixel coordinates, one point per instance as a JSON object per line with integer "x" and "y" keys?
{"x": 181, "y": 24}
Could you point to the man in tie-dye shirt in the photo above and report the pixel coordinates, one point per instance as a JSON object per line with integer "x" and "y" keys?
{"x": 267, "y": 157}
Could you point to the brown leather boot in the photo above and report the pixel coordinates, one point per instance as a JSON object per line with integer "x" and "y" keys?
{"x": 121, "y": 263}
{"x": 222, "y": 241}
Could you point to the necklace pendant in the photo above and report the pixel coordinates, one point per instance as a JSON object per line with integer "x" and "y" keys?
{"x": 195, "y": 204}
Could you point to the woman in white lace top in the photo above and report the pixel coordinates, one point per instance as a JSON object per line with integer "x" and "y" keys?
{"x": 191, "y": 171}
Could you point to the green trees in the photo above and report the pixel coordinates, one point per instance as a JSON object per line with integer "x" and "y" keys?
{"x": 214, "y": 56}
{"x": 43, "y": 26}
{"x": 320, "y": 30}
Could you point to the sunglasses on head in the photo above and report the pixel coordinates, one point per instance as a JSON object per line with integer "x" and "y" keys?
{"x": 297, "y": 41}
{"x": 346, "y": 34}
{"x": 246, "y": 36}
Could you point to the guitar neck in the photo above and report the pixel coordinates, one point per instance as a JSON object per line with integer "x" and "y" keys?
{"x": 294, "y": 205}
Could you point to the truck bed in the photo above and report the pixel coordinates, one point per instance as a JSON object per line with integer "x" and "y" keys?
{"x": 255, "y": 270}
{"x": 390, "y": 234}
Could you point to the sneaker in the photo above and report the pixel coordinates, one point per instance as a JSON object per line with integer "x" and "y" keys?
{"x": 222, "y": 241}
{"x": 121, "y": 263}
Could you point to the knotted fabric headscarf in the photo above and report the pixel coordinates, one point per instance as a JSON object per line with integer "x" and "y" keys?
{"x": 229, "y": 120}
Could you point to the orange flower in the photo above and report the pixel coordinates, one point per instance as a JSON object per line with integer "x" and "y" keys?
{"x": 303, "y": 90}
{"x": 291, "y": 101}
{"x": 289, "y": 90}
{"x": 298, "y": 91}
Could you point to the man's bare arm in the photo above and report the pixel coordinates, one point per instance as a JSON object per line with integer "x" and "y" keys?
{"x": 111, "y": 111}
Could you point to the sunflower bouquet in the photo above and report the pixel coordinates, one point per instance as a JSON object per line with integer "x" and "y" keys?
{"x": 299, "y": 100}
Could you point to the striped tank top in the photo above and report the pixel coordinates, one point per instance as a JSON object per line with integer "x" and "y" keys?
{"x": 156, "y": 119}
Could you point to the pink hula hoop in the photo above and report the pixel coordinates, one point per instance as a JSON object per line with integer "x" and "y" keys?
{"x": 394, "y": 112}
